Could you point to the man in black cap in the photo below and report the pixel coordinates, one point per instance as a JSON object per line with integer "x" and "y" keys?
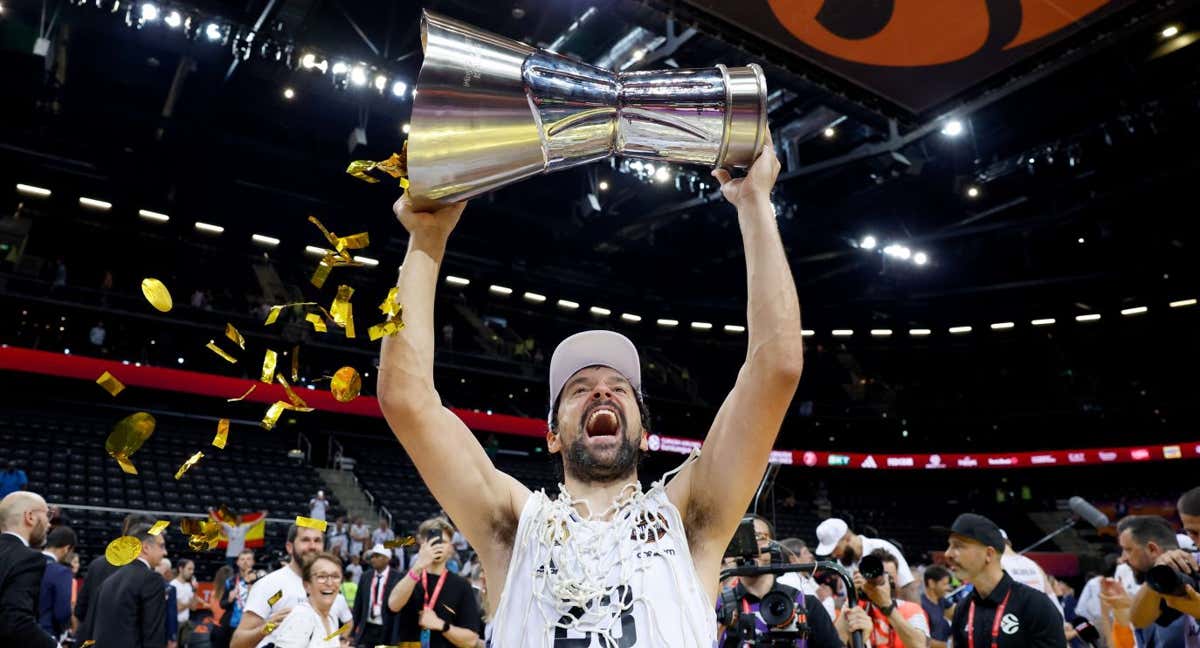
{"x": 1000, "y": 613}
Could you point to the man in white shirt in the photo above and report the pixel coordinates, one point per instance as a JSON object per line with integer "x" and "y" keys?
{"x": 339, "y": 539}
{"x": 235, "y": 535}
{"x": 835, "y": 539}
{"x": 273, "y": 596}
{"x": 360, "y": 535}
{"x": 317, "y": 506}
{"x": 383, "y": 533}
{"x": 1024, "y": 570}
{"x": 185, "y": 597}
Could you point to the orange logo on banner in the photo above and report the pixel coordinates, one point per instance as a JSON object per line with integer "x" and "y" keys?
{"x": 926, "y": 32}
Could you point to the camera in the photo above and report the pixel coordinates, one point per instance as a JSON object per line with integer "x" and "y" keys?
{"x": 1165, "y": 579}
{"x": 777, "y": 609}
{"x": 871, "y": 567}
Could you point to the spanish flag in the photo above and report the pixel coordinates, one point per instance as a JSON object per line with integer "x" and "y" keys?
{"x": 255, "y": 535}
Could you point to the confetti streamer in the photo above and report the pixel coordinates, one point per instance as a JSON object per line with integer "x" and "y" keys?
{"x": 236, "y": 337}
{"x": 275, "y": 598}
{"x": 123, "y": 550}
{"x": 340, "y": 631}
{"x": 396, "y": 543}
{"x": 222, "y": 433}
{"x": 127, "y": 437}
{"x": 212, "y": 346}
{"x": 387, "y": 328}
{"x": 159, "y": 526}
{"x": 187, "y": 465}
{"x": 346, "y": 384}
{"x": 272, "y": 416}
{"x": 248, "y": 392}
{"x": 268, "y": 368}
{"x": 157, "y": 294}
{"x": 318, "y": 323}
{"x": 341, "y": 311}
{"x": 389, "y": 306}
{"x": 310, "y": 523}
{"x": 110, "y": 383}
{"x": 296, "y": 363}
{"x": 291, "y": 394}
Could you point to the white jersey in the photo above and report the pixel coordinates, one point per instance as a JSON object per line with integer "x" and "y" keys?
{"x": 1027, "y": 572}
{"x": 625, "y": 582}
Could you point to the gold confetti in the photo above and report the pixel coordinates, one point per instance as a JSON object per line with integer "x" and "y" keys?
{"x": 296, "y": 363}
{"x": 342, "y": 243}
{"x": 291, "y": 394}
{"x": 278, "y": 308}
{"x": 222, "y": 433}
{"x": 389, "y": 306}
{"x": 268, "y": 369}
{"x": 212, "y": 346}
{"x": 310, "y": 523}
{"x": 275, "y": 598}
{"x": 233, "y": 334}
{"x": 157, "y": 294}
{"x": 88, "y": 643}
{"x": 345, "y": 385}
{"x": 395, "y": 166}
{"x": 110, "y": 383}
{"x": 359, "y": 169}
{"x": 159, "y": 527}
{"x": 396, "y": 543}
{"x": 340, "y": 631}
{"x": 322, "y": 271}
{"x": 192, "y": 461}
{"x": 341, "y": 310}
{"x": 203, "y": 535}
{"x": 391, "y": 327}
{"x": 123, "y": 550}
{"x": 127, "y": 437}
{"x": 248, "y": 392}
{"x": 318, "y": 322}
{"x": 269, "y": 627}
{"x": 272, "y": 416}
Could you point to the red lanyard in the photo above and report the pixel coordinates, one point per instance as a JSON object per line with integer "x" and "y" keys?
{"x": 437, "y": 589}
{"x": 995, "y": 622}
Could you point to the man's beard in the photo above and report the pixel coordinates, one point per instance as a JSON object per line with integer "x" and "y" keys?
{"x": 298, "y": 557}
{"x": 849, "y": 557}
{"x": 37, "y": 536}
{"x": 582, "y": 465}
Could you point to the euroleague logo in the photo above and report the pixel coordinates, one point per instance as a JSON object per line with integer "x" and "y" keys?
{"x": 914, "y": 33}
{"x": 1009, "y": 624}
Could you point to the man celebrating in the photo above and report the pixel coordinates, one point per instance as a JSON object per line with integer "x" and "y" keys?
{"x": 1000, "y": 613}
{"x": 606, "y": 562}
{"x": 273, "y": 596}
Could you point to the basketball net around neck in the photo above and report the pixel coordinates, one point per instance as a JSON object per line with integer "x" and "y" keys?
{"x": 584, "y": 565}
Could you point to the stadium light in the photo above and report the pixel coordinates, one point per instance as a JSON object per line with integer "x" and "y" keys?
{"x": 807, "y": 332}
{"x": 868, "y": 242}
{"x": 1045, "y": 321}
{"x": 830, "y": 132}
{"x": 212, "y": 31}
{"x": 920, "y": 258}
{"x": 1136, "y": 310}
{"x": 263, "y": 239}
{"x": 1170, "y": 31}
{"x": 919, "y": 332}
{"x": 1182, "y": 302}
{"x": 316, "y": 251}
{"x": 534, "y": 297}
{"x": 399, "y": 88}
{"x": 600, "y": 311}
{"x": 31, "y": 190}
{"x": 667, "y": 323}
{"x": 211, "y": 229}
{"x": 457, "y": 281}
{"x": 701, "y": 326}
{"x": 153, "y": 216}
{"x": 173, "y": 19}
{"x": 92, "y": 203}
{"x": 149, "y": 12}
{"x": 500, "y": 290}
{"x": 289, "y": 93}
{"x": 367, "y": 261}
{"x": 972, "y": 192}
{"x": 881, "y": 332}
{"x": 603, "y": 185}
{"x": 952, "y": 128}
{"x": 734, "y": 328}
{"x": 843, "y": 332}
{"x": 404, "y": 128}
{"x": 630, "y": 317}
{"x": 959, "y": 330}
{"x": 1090, "y": 317}
{"x": 1002, "y": 326}
{"x": 567, "y": 304}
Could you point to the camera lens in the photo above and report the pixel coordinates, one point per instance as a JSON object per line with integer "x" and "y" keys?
{"x": 1165, "y": 579}
{"x": 777, "y": 609}
{"x": 871, "y": 567}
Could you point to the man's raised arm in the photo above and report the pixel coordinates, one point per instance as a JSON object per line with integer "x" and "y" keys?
{"x": 451, "y": 461}
{"x": 714, "y": 492}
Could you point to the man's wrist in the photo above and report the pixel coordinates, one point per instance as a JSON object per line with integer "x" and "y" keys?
{"x": 445, "y": 627}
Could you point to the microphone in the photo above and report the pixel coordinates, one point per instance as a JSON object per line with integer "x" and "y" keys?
{"x": 1089, "y": 513}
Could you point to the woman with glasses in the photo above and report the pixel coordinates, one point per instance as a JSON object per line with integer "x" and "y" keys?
{"x": 313, "y": 623}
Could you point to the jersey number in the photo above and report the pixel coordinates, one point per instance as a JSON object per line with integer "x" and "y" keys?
{"x": 628, "y": 625}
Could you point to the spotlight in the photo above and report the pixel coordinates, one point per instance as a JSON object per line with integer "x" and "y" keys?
{"x": 288, "y": 93}
{"x": 404, "y": 128}
{"x": 380, "y": 82}
{"x": 212, "y": 31}
{"x": 179, "y": 360}
{"x": 953, "y": 128}
{"x": 1081, "y": 240}
{"x": 662, "y": 175}
{"x": 972, "y": 192}
{"x": 603, "y": 185}
{"x": 340, "y": 68}
{"x": 1170, "y": 31}
{"x": 149, "y": 12}
{"x": 920, "y": 258}
{"x": 399, "y": 88}
{"x": 173, "y": 19}
{"x": 868, "y": 243}
{"x": 649, "y": 168}
{"x": 830, "y": 132}
{"x": 308, "y": 61}
{"x": 358, "y": 76}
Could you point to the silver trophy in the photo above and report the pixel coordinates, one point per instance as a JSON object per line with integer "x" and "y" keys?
{"x": 489, "y": 111}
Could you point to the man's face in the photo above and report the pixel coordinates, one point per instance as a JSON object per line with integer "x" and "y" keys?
{"x": 186, "y": 570}
{"x": 762, "y": 535}
{"x": 805, "y": 556}
{"x": 844, "y": 552}
{"x": 154, "y": 549}
{"x": 967, "y": 557}
{"x": 443, "y": 541}
{"x": 599, "y": 427}
{"x": 379, "y": 562}
{"x": 308, "y": 542}
{"x": 940, "y": 588}
{"x": 1139, "y": 557}
{"x": 39, "y": 517}
{"x": 383, "y": 524}
{"x": 1191, "y": 526}
{"x": 245, "y": 562}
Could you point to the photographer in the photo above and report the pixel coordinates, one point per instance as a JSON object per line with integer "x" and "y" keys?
{"x": 1144, "y": 539}
{"x": 884, "y": 619}
{"x": 745, "y": 601}
{"x": 838, "y": 541}
{"x": 1171, "y": 587}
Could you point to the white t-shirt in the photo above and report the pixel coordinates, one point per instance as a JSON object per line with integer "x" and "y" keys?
{"x": 353, "y": 573}
{"x": 360, "y": 530}
{"x": 380, "y": 536}
{"x": 236, "y": 534}
{"x": 317, "y": 508}
{"x": 809, "y": 587}
{"x": 184, "y": 593}
{"x": 1025, "y": 571}
{"x": 303, "y": 628}
{"x": 903, "y": 573}
{"x": 292, "y": 587}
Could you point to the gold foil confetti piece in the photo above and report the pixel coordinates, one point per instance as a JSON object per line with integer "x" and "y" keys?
{"x": 159, "y": 527}
{"x": 310, "y": 523}
{"x": 157, "y": 294}
{"x": 272, "y": 416}
{"x": 269, "y": 627}
{"x": 340, "y": 631}
{"x": 296, "y": 363}
{"x": 291, "y": 394}
{"x": 389, "y": 305}
{"x": 127, "y": 437}
{"x": 404, "y": 183}
{"x": 322, "y": 271}
{"x": 391, "y": 327}
{"x": 345, "y": 385}
{"x": 88, "y": 643}
{"x": 329, "y": 236}
{"x": 236, "y": 337}
{"x": 268, "y": 368}
{"x": 275, "y": 598}
{"x": 354, "y": 241}
{"x": 212, "y": 346}
{"x": 191, "y": 526}
{"x": 396, "y": 543}
{"x": 123, "y": 550}
{"x": 187, "y": 465}
{"x": 222, "y": 433}
{"x": 110, "y": 383}
{"x": 203, "y": 535}
{"x": 397, "y": 164}
{"x": 318, "y": 322}
{"x": 273, "y": 315}
{"x": 341, "y": 311}
{"x": 243, "y": 396}
{"x": 359, "y": 169}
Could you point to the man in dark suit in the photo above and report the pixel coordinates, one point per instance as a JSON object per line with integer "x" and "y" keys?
{"x": 98, "y": 571}
{"x": 24, "y": 520}
{"x": 374, "y": 621}
{"x": 132, "y": 612}
{"x": 54, "y": 611}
